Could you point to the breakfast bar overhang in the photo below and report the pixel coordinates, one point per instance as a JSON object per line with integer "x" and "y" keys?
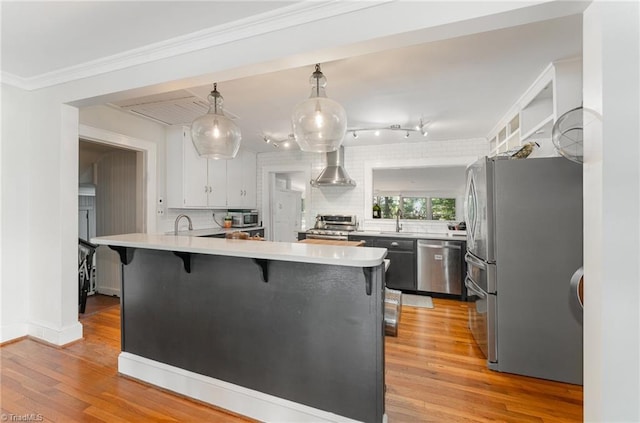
{"x": 270, "y": 330}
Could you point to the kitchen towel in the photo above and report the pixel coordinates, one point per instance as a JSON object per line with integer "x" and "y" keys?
{"x": 417, "y": 301}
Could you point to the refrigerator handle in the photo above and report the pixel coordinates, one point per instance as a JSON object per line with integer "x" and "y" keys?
{"x": 472, "y": 289}
{"x": 575, "y": 301}
{"x": 471, "y": 259}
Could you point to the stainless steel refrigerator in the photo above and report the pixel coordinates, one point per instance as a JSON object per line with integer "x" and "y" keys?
{"x": 524, "y": 244}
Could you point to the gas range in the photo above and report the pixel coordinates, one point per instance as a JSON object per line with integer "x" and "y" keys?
{"x": 333, "y": 226}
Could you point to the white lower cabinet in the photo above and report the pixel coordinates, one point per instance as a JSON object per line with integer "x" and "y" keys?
{"x": 195, "y": 182}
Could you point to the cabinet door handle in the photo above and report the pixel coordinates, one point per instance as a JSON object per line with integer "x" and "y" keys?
{"x": 206, "y": 188}
{"x": 394, "y": 244}
{"x": 210, "y": 189}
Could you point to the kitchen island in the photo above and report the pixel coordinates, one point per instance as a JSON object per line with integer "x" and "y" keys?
{"x": 274, "y": 331}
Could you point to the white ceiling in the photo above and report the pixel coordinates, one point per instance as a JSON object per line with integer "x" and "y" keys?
{"x": 460, "y": 86}
{"x": 61, "y": 34}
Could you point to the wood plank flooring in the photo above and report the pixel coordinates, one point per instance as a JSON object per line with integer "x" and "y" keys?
{"x": 97, "y": 303}
{"x": 434, "y": 373}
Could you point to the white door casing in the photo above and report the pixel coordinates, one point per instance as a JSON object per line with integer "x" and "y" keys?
{"x": 268, "y": 187}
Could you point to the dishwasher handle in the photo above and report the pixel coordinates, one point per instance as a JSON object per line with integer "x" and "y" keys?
{"x": 443, "y": 245}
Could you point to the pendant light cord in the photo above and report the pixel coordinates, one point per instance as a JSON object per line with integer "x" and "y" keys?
{"x": 317, "y": 74}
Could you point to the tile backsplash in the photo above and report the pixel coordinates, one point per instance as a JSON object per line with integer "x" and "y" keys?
{"x": 201, "y": 219}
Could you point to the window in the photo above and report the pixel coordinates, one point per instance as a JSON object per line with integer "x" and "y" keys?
{"x": 418, "y": 208}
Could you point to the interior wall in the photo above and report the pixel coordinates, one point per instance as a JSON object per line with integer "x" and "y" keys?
{"x": 432, "y": 181}
{"x": 116, "y": 212}
{"x": 14, "y": 220}
{"x": 612, "y": 213}
{"x": 113, "y": 120}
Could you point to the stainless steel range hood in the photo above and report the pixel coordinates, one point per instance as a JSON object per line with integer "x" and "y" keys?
{"x": 334, "y": 175}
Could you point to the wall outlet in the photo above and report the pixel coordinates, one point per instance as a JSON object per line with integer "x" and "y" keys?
{"x": 160, "y": 210}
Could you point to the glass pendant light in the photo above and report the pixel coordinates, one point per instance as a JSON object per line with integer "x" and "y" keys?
{"x": 319, "y": 123}
{"x": 214, "y": 135}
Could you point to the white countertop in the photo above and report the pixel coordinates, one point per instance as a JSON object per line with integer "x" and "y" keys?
{"x": 285, "y": 251}
{"x": 214, "y": 231}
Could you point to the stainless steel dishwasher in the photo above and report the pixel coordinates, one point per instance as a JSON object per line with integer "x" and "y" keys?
{"x": 440, "y": 266}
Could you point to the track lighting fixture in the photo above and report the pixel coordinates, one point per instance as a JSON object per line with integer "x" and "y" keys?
{"x": 277, "y": 143}
{"x": 377, "y": 131}
{"x": 422, "y": 128}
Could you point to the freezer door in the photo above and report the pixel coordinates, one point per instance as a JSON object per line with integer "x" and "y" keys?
{"x": 482, "y": 273}
{"x": 482, "y": 320}
{"x": 478, "y": 207}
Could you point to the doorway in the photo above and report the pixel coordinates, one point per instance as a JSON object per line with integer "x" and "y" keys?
{"x": 111, "y": 151}
{"x": 285, "y": 201}
{"x": 110, "y": 202}
{"x": 287, "y": 206}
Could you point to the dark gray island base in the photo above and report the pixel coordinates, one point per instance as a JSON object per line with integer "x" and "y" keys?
{"x": 308, "y": 333}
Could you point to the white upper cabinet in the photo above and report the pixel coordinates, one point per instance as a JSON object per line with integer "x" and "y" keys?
{"x": 557, "y": 90}
{"x": 195, "y": 182}
{"x": 241, "y": 181}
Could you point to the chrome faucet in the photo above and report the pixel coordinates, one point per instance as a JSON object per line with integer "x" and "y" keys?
{"x": 398, "y": 216}
{"x": 175, "y": 226}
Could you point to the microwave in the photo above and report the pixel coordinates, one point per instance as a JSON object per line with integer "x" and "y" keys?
{"x": 243, "y": 218}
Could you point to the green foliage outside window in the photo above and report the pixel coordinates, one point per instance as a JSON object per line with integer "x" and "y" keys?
{"x": 418, "y": 208}
{"x": 443, "y": 208}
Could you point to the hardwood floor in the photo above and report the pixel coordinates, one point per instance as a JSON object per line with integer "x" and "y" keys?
{"x": 97, "y": 303}
{"x": 79, "y": 383}
{"x": 434, "y": 373}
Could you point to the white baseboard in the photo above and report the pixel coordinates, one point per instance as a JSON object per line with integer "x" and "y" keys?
{"x": 108, "y": 291}
{"x": 254, "y": 404}
{"x": 55, "y": 336}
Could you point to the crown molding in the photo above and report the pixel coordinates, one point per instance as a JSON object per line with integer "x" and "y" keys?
{"x": 14, "y": 80}
{"x": 286, "y": 17}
